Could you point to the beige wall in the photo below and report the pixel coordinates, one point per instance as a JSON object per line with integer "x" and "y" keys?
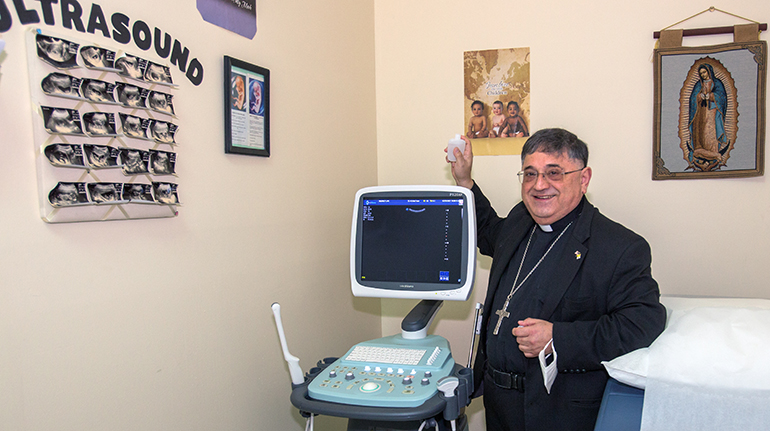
{"x": 591, "y": 73}
{"x": 187, "y": 342}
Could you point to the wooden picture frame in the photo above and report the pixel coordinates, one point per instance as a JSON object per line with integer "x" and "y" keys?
{"x": 247, "y": 108}
{"x": 709, "y": 111}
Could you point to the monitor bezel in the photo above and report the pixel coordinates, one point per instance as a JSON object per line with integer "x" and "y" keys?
{"x": 436, "y": 291}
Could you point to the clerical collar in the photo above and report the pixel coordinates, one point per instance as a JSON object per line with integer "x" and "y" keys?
{"x": 559, "y": 225}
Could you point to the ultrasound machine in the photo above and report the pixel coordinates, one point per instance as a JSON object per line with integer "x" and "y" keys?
{"x": 408, "y": 242}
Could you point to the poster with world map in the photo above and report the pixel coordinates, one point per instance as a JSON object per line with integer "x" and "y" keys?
{"x": 497, "y": 100}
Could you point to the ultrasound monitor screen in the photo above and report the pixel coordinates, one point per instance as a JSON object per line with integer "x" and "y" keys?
{"x": 413, "y": 243}
{"x": 412, "y": 240}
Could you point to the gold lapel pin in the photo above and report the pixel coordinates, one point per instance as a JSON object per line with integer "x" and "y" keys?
{"x": 578, "y": 255}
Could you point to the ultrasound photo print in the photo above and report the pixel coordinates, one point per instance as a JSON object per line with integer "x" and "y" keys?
{"x": 131, "y": 66}
{"x": 68, "y": 194}
{"x": 157, "y": 74}
{"x": 104, "y": 123}
{"x": 97, "y": 58}
{"x": 105, "y": 192}
{"x": 133, "y": 126}
{"x": 101, "y": 156}
{"x": 65, "y": 155}
{"x": 161, "y": 102}
{"x": 163, "y": 132}
{"x": 59, "y": 53}
{"x": 99, "y": 123}
{"x": 61, "y": 85}
{"x": 62, "y": 120}
{"x": 137, "y": 193}
{"x": 97, "y": 91}
{"x": 131, "y": 96}
{"x": 134, "y": 161}
{"x": 165, "y": 193}
{"x": 162, "y": 162}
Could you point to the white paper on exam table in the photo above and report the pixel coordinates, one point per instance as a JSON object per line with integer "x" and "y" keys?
{"x": 708, "y": 371}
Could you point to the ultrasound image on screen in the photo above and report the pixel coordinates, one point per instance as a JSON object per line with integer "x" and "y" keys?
{"x": 412, "y": 241}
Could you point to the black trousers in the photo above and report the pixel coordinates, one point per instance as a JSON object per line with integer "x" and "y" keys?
{"x": 568, "y": 408}
{"x": 504, "y": 408}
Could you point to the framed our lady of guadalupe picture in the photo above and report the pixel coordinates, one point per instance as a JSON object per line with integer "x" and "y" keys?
{"x": 709, "y": 111}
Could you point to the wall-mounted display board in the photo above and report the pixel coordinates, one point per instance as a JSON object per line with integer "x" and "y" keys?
{"x": 247, "y": 108}
{"x": 106, "y": 131}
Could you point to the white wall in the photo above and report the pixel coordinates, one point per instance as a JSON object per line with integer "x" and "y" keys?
{"x": 188, "y": 341}
{"x": 591, "y": 72}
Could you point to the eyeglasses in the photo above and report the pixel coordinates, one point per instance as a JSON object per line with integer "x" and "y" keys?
{"x": 553, "y": 175}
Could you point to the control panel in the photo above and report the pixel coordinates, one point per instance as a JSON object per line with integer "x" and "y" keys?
{"x": 385, "y": 372}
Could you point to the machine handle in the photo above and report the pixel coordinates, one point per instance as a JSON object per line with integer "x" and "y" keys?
{"x": 476, "y": 331}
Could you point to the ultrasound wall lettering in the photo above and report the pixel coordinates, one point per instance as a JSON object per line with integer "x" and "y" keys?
{"x": 118, "y": 27}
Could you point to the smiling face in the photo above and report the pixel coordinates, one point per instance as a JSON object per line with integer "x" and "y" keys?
{"x": 549, "y": 202}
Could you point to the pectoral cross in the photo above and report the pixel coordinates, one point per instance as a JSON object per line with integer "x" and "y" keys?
{"x": 502, "y": 313}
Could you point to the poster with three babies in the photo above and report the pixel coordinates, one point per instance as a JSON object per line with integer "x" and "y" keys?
{"x": 496, "y": 100}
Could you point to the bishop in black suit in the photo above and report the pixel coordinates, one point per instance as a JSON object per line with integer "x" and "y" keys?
{"x": 568, "y": 288}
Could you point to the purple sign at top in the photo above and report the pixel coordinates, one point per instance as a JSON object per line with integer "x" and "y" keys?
{"x": 239, "y": 16}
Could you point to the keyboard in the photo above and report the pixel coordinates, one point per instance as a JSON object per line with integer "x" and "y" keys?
{"x": 386, "y": 355}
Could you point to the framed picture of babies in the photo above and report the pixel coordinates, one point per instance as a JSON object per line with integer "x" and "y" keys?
{"x": 247, "y": 108}
{"x": 709, "y": 111}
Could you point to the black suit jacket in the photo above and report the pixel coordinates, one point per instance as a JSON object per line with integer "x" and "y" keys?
{"x": 603, "y": 303}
